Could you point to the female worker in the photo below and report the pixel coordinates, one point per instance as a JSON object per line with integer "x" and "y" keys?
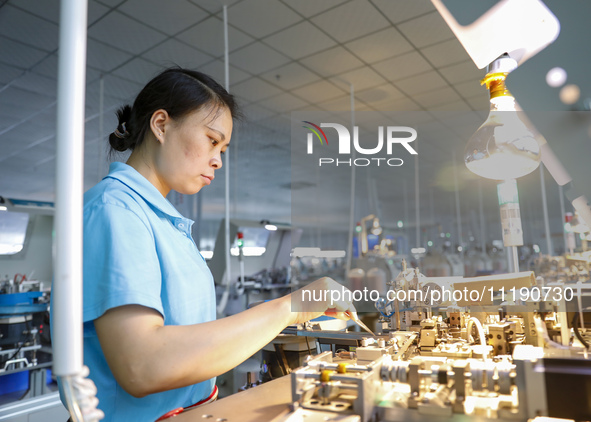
{"x": 151, "y": 338}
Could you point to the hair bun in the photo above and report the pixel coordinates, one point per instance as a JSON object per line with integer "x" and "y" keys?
{"x": 120, "y": 139}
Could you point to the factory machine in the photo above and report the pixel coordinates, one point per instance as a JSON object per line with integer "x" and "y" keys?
{"x": 24, "y": 340}
{"x": 437, "y": 356}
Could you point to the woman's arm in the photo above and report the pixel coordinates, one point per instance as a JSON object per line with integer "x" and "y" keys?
{"x": 147, "y": 357}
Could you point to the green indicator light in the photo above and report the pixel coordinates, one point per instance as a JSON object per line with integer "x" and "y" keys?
{"x": 429, "y": 243}
{"x": 358, "y": 229}
{"x": 448, "y": 235}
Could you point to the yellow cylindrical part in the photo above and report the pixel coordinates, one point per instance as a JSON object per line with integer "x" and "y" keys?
{"x": 495, "y": 83}
{"x": 325, "y": 375}
{"x": 342, "y": 368}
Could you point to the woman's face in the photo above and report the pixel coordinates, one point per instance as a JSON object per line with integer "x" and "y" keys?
{"x": 191, "y": 150}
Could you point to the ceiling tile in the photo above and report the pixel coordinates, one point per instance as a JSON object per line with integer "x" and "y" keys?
{"x": 48, "y": 9}
{"x": 311, "y": 8}
{"x": 92, "y": 74}
{"x": 421, "y": 83}
{"x": 459, "y": 105}
{"x": 426, "y": 30}
{"x": 127, "y": 34}
{"x": 341, "y": 103}
{"x": 379, "y": 95}
{"x": 399, "y": 11}
{"x": 104, "y": 57}
{"x": 213, "y": 6}
{"x": 351, "y": 20}
{"x": 260, "y": 18}
{"x": 437, "y": 97}
{"x": 119, "y": 88}
{"x": 255, "y": 112}
{"x": 19, "y": 55}
{"x": 290, "y": 76}
{"x": 175, "y": 53}
{"x": 402, "y": 66}
{"x": 471, "y": 89}
{"x": 299, "y": 40}
{"x": 255, "y": 89}
{"x": 462, "y": 72}
{"x": 216, "y": 70}
{"x": 111, "y": 3}
{"x": 445, "y": 53}
{"x": 332, "y": 61}
{"x": 17, "y": 97}
{"x": 170, "y": 17}
{"x": 318, "y": 92}
{"x": 48, "y": 66}
{"x": 8, "y": 73}
{"x": 138, "y": 70}
{"x": 208, "y": 36}
{"x": 37, "y": 83}
{"x": 380, "y": 45}
{"x": 479, "y": 103}
{"x": 257, "y": 58}
{"x": 28, "y": 29}
{"x": 283, "y": 103}
{"x": 361, "y": 78}
{"x": 95, "y": 12}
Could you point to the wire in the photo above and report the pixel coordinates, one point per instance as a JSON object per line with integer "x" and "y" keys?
{"x": 23, "y": 343}
{"x": 382, "y": 308}
{"x": 575, "y": 323}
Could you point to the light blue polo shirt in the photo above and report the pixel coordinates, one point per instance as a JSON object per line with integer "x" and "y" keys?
{"x": 138, "y": 250}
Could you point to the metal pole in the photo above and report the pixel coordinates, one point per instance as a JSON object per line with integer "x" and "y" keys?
{"x": 482, "y": 221}
{"x": 562, "y": 213}
{"x": 67, "y": 284}
{"x": 406, "y": 216}
{"x": 417, "y": 202}
{"x": 513, "y": 259}
{"x": 227, "y": 163}
{"x": 352, "y": 203}
{"x": 545, "y": 208}
{"x": 458, "y": 212}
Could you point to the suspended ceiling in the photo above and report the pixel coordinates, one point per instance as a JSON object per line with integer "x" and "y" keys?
{"x": 285, "y": 56}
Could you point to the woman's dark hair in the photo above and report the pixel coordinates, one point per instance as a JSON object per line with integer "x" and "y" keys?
{"x": 176, "y": 90}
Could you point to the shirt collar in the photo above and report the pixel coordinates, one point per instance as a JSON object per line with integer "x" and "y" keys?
{"x": 139, "y": 184}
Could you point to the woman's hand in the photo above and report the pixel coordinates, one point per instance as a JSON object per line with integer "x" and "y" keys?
{"x": 134, "y": 338}
{"x": 321, "y": 297}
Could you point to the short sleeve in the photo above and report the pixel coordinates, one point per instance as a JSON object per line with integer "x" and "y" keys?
{"x": 121, "y": 265}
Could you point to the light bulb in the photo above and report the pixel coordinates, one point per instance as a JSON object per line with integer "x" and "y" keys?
{"x": 504, "y": 147}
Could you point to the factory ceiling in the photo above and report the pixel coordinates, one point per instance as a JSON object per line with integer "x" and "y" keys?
{"x": 287, "y": 56}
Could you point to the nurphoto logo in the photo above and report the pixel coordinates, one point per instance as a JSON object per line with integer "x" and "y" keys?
{"x": 392, "y": 135}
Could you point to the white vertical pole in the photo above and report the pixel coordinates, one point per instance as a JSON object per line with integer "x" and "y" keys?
{"x": 562, "y": 213}
{"x": 549, "y": 250}
{"x": 406, "y": 216}
{"x": 67, "y": 285}
{"x": 227, "y": 163}
{"x": 482, "y": 221}
{"x": 458, "y": 212}
{"x": 352, "y": 203}
{"x": 417, "y": 202}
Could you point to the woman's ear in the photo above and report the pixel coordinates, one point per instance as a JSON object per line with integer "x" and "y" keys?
{"x": 158, "y": 124}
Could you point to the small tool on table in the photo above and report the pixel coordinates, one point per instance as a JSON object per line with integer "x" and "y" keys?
{"x": 355, "y": 318}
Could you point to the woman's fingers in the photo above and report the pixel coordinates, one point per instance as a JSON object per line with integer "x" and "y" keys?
{"x": 323, "y": 296}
